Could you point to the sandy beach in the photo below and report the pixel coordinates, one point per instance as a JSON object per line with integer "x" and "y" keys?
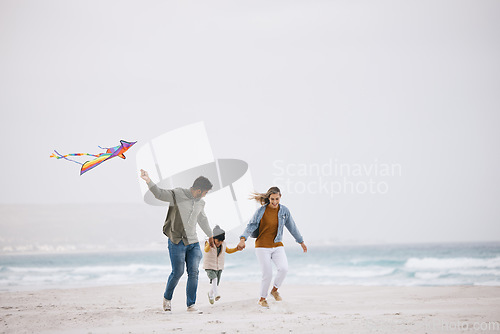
{"x": 305, "y": 309}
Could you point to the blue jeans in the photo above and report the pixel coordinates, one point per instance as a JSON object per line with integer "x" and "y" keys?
{"x": 180, "y": 254}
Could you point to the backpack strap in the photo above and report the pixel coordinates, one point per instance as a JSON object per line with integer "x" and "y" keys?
{"x": 171, "y": 215}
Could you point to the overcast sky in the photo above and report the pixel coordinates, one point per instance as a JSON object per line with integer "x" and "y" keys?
{"x": 379, "y": 120}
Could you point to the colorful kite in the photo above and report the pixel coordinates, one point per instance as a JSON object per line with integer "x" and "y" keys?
{"x": 100, "y": 158}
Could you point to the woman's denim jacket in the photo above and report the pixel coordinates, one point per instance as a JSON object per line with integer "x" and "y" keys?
{"x": 284, "y": 219}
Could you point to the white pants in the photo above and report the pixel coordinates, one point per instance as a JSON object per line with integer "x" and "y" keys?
{"x": 213, "y": 289}
{"x": 265, "y": 256}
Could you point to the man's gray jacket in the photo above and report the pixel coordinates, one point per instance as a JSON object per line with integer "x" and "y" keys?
{"x": 191, "y": 212}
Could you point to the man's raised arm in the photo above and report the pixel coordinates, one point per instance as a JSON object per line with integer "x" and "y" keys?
{"x": 161, "y": 194}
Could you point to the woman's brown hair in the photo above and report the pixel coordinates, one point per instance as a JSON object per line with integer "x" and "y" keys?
{"x": 263, "y": 198}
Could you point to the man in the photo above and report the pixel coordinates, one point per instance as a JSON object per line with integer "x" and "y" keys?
{"x": 180, "y": 228}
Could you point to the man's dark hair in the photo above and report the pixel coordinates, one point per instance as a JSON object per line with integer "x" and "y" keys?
{"x": 202, "y": 183}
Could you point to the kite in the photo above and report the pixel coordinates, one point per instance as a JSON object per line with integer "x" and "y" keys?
{"x": 111, "y": 152}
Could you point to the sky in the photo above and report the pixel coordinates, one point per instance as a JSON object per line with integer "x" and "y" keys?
{"x": 379, "y": 120}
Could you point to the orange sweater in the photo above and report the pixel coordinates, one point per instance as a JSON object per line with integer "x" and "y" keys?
{"x": 268, "y": 229}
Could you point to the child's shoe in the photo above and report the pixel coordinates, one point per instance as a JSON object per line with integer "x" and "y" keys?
{"x": 211, "y": 298}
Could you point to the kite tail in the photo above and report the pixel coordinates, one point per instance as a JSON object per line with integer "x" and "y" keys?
{"x": 60, "y": 156}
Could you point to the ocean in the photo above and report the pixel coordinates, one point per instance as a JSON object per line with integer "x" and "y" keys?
{"x": 375, "y": 265}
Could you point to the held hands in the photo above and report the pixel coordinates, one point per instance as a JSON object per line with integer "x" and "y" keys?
{"x": 211, "y": 242}
{"x": 145, "y": 176}
{"x": 241, "y": 245}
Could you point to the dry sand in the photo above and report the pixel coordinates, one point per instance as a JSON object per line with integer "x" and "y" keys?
{"x": 305, "y": 309}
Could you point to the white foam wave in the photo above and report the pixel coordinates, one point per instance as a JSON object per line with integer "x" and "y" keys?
{"x": 34, "y": 277}
{"x": 451, "y": 263}
{"x": 131, "y": 268}
{"x": 88, "y": 269}
{"x": 320, "y": 271}
{"x": 488, "y": 283}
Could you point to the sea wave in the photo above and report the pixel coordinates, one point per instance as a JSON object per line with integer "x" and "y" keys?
{"x": 450, "y": 263}
{"x": 328, "y": 272}
{"x": 364, "y": 266}
{"x": 49, "y": 277}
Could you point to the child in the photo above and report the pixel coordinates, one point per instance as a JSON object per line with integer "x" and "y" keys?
{"x": 213, "y": 261}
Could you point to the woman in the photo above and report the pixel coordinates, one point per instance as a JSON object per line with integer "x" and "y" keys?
{"x": 267, "y": 226}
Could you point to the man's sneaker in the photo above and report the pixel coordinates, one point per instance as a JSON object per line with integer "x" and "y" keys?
{"x": 194, "y": 309}
{"x": 263, "y": 303}
{"x": 210, "y": 298}
{"x": 167, "y": 305}
{"x": 217, "y": 298}
{"x": 276, "y": 296}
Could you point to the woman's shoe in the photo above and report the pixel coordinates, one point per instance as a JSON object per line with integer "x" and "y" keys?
{"x": 263, "y": 303}
{"x": 276, "y": 296}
